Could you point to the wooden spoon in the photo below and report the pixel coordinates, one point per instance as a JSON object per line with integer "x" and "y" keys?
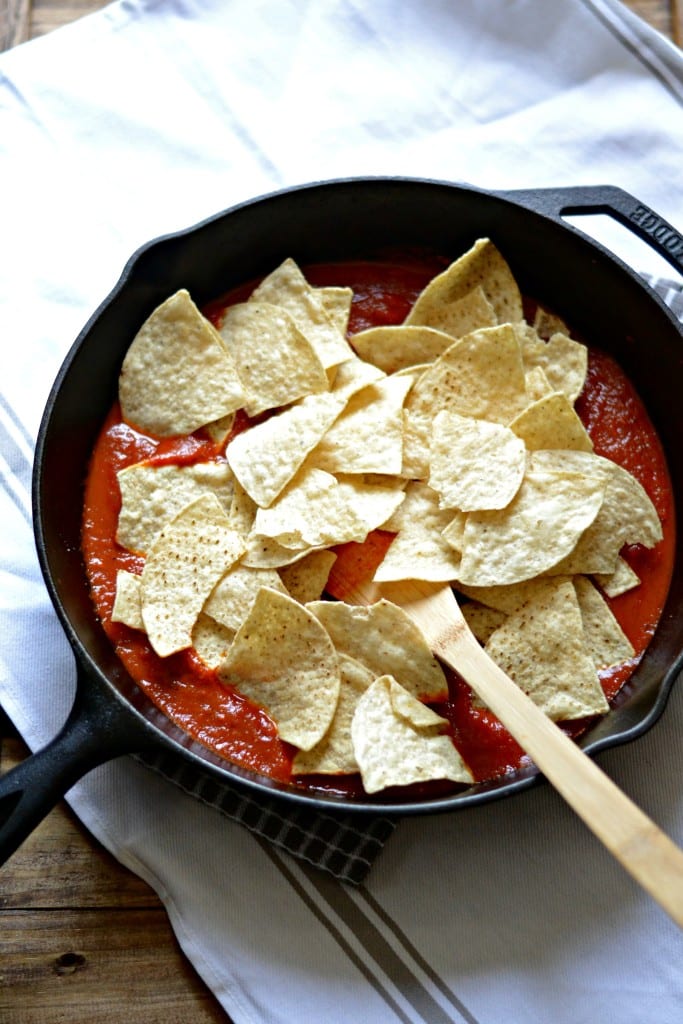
{"x": 638, "y": 844}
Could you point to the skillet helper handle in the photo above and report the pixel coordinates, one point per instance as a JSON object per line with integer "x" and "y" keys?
{"x": 613, "y": 202}
{"x": 97, "y": 730}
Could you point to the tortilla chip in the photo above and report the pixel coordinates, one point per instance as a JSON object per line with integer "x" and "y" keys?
{"x": 368, "y": 435}
{"x": 384, "y": 639}
{"x": 510, "y": 597}
{"x": 419, "y": 551}
{"x": 242, "y": 510}
{"x": 232, "y": 597}
{"x": 283, "y": 660}
{"x": 482, "y": 621}
{"x": 537, "y": 384}
{"x": 152, "y": 496}
{"x": 306, "y": 579}
{"x": 177, "y": 374}
{"x": 482, "y": 266}
{"x": 546, "y": 323}
{"x": 552, "y": 422}
{"x": 266, "y": 553}
{"x": 287, "y": 288}
{"x": 622, "y": 579}
{"x": 626, "y": 516}
{"x": 337, "y": 304}
{"x": 353, "y": 375}
{"x": 333, "y": 754}
{"x": 211, "y": 640}
{"x": 317, "y": 510}
{"x": 542, "y": 647}
{"x": 607, "y": 643}
{"x": 265, "y": 458}
{"x": 398, "y": 741}
{"x": 604, "y": 638}
{"x": 563, "y": 360}
{"x": 469, "y": 313}
{"x": 536, "y": 531}
{"x": 183, "y": 565}
{"x": 219, "y": 430}
{"x": 481, "y": 376}
{"x": 454, "y": 533}
{"x": 128, "y": 600}
{"x": 474, "y": 464}
{"x": 399, "y": 347}
{"x": 277, "y": 364}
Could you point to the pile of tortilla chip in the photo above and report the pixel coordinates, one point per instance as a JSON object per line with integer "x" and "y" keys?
{"x": 455, "y": 430}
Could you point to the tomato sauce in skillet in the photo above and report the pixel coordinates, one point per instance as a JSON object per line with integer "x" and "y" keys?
{"x": 228, "y": 723}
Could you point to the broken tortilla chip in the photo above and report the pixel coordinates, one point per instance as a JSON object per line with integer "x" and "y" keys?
{"x": 607, "y": 643}
{"x": 542, "y": 647}
{"x": 384, "y": 639}
{"x": 532, "y": 535}
{"x": 563, "y": 360}
{"x": 128, "y": 600}
{"x": 153, "y": 495}
{"x": 401, "y": 346}
{"x": 283, "y": 660}
{"x": 275, "y": 361}
{"x": 183, "y": 565}
{"x": 619, "y": 581}
{"x": 398, "y": 741}
{"x": 318, "y": 510}
{"x": 230, "y": 600}
{"x": 626, "y": 515}
{"x": 211, "y": 640}
{"x": 474, "y": 464}
{"x": 287, "y": 288}
{"x": 177, "y": 375}
{"x": 419, "y": 549}
{"x": 483, "y": 621}
{"x": 333, "y": 754}
{"x": 305, "y": 579}
{"x": 481, "y": 376}
{"x": 265, "y": 458}
{"x": 483, "y": 267}
{"x": 552, "y": 422}
{"x": 337, "y": 304}
{"x": 367, "y": 437}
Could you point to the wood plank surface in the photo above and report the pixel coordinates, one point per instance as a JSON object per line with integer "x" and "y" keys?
{"x": 99, "y": 966}
{"x": 83, "y": 939}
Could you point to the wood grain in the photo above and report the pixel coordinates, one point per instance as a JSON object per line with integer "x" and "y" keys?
{"x": 85, "y": 939}
{"x": 15, "y": 28}
{"x": 677, "y": 22}
{"x": 98, "y": 966}
{"x": 47, "y": 15}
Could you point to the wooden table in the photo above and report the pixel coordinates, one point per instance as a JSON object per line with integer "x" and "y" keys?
{"x": 82, "y": 938}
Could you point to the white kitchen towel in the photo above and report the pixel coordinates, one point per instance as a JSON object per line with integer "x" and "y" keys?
{"x": 148, "y": 116}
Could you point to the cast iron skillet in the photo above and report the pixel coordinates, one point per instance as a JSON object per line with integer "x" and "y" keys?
{"x": 559, "y": 266}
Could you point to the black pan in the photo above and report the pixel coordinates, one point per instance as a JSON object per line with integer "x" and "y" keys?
{"x": 559, "y": 266}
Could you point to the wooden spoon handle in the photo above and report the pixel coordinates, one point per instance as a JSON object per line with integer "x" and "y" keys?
{"x": 638, "y": 844}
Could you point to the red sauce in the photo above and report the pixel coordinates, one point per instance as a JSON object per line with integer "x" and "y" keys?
{"x": 228, "y": 723}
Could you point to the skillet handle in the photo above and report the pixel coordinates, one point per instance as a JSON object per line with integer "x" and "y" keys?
{"x": 614, "y": 202}
{"x": 97, "y": 730}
